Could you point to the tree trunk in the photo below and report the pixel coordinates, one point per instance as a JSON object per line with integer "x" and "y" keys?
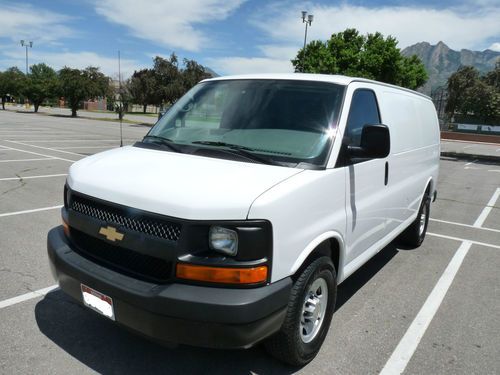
{"x": 73, "y": 111}
{"x": 3, "y": 103}
{"x": 144, "y": 108}
{"x": 36, "y": 104}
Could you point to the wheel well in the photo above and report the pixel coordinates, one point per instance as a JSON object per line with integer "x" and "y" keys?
{"x": 428, "y": 189}
{"x": 329, "y": 248}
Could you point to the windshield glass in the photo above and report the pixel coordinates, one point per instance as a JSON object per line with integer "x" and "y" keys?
{"x": 289, "y": 121}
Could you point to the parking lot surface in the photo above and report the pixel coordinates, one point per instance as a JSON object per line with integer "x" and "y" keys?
{"x": 431, "y": 310}
{"x": 479, "y": 149}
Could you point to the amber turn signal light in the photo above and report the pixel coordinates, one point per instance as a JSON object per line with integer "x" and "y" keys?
{"x": 65, "y": 228}
{"x": 223, "y": 275}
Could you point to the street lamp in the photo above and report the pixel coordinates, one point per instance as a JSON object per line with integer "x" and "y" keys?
{"x": 25, "y": 43}
{"x": 307, "y": 19}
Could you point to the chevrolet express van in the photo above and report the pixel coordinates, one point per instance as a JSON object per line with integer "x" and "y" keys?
{"x": 235, "y": 218}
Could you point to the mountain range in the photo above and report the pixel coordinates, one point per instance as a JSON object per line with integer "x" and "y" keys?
{"x": 441, "y": 61}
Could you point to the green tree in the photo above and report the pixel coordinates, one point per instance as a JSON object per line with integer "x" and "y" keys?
{"x": 142, "y": 88}
{"x": 192, "y": 74}
{"x": 11, "y": 83}
{"x": 493, "y": 78}
{"x": 41, "y": 84}
{"x": 458, "y": 84}
{"x": 472, "y": 95}
{"x": 168, "y": 79}
{"x": 77, "y": 85}
{"x": 371, "y": 56}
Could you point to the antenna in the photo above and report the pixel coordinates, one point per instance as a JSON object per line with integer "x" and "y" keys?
{"x": 120, "y": 108}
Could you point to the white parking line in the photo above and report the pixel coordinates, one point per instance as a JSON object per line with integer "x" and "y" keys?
{"x": 489, "y": 206}
{"x": 408, "y": 344}
{"x": 12, "y": 160}
{"x": 73, "y": 147}
{"x": 30, "y": 211}
{"x": 27, "y": 296}
{"x": 73, "y": 140}
{"x": 30, "y": 177}
{"x": 36, "y": 153}
{"x": 463, "y": 240}
{"x": 469, "y": 163}
{"x": 44, "y": 148}
{"x": 464, "y": 225}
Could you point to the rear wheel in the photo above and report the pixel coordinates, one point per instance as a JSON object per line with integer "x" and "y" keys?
{"x": 309, "y": 313}
{"x": 414, "y": 235}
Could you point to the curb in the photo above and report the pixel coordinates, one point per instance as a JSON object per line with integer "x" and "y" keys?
{"x": 461, "y": 155}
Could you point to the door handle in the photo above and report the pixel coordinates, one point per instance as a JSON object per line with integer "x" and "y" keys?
{"x": 386, "y": 179}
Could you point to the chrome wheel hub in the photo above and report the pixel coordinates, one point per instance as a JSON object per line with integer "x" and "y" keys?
{"x": 423, "y": 219}
{"x": 313, "y": 310}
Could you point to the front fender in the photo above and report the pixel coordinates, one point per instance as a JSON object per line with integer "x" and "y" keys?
{"x": 314, "y": 244}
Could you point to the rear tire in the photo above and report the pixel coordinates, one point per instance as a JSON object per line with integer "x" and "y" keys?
{"x": 309, "y": 313}
{"x": 414, "y": 235}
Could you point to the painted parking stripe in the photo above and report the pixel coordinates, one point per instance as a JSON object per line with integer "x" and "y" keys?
{"x": 30, "y": 211}
{"x": 37, "y": 153}
{"x": 44, "y": 148}
{"x": 13, "y": 160}
{"x": 464, "y": 225}
{"x": 73, "y": 147}
{"x": 408, "y": 344}
{"x": 25, "y": 297}
{"x": 31, "y": 177}
{"x": 463, "y": 239}
{"x": 489, "y": 206}
{"x": 74, "y": 140}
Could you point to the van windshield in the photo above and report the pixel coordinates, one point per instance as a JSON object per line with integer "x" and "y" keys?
{"x": 287, "y": 121}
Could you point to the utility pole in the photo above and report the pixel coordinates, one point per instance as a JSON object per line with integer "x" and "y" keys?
{"x": 307, "y": 19}
{"x": 120, "y": 108}
{"x": 25, "y": 43}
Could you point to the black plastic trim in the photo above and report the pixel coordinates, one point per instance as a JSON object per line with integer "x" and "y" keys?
{"x": 181, "y": 313}
{"x": 255, "y": 238}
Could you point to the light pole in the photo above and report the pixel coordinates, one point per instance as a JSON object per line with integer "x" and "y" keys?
{"x": 307, "y": 19}
{"x": 25, "y": 43}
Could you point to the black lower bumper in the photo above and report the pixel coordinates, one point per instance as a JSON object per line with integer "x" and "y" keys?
{"x": 186, "y": 314}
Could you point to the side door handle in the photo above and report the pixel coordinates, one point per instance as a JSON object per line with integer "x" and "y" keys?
{"x": 386, "y": 179}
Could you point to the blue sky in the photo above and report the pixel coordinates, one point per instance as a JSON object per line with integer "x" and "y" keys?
{"x": 230, "y": 36}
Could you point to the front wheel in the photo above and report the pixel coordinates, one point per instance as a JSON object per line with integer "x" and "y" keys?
{"x": 309, "y": 313}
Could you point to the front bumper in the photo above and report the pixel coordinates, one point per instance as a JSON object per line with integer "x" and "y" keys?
{"x": 186, "y": 314}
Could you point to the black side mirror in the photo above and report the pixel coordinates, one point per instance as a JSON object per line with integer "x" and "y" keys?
{"x": 375, "y": 143}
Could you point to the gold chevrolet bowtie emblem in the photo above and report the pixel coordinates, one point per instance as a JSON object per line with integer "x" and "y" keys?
{"x": 111, "y": 233}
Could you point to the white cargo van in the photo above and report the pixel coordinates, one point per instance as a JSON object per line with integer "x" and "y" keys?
{"x": 235, "y": 218}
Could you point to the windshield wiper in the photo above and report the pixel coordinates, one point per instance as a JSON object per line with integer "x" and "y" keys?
{"x": 163, "y": 141}
{"x": 244, "y": 151}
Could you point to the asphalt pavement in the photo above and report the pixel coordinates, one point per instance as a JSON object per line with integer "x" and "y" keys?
{"x": 431, "y": 310}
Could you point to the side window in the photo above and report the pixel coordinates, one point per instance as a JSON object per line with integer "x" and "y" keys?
{"x": 363, "y": 111}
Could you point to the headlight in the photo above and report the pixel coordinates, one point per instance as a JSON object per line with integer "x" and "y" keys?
{"x": 223, "y": 240}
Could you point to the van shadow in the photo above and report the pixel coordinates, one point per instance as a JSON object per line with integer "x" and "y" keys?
{"x": 109, "y": 349}
{"x": 364, "y": 274}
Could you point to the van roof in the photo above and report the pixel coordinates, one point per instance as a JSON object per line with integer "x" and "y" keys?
{"x": 338, "y": 79}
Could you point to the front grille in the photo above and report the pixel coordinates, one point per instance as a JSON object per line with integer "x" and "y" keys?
{"x": 154, "y": 227}
{"x": 128, "y": 262}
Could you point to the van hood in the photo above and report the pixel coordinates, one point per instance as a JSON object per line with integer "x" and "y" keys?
{"x": 178, "y": 185}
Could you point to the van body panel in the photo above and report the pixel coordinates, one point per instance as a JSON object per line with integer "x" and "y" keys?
{"x": 301, "y": 209}
{"x": 172, "y": 184}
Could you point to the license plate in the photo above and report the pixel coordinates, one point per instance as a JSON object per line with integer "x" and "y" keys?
{"x": 97, "y": 301}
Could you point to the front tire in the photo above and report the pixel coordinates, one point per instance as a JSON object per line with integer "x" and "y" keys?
{"x": 309, "y": 313}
